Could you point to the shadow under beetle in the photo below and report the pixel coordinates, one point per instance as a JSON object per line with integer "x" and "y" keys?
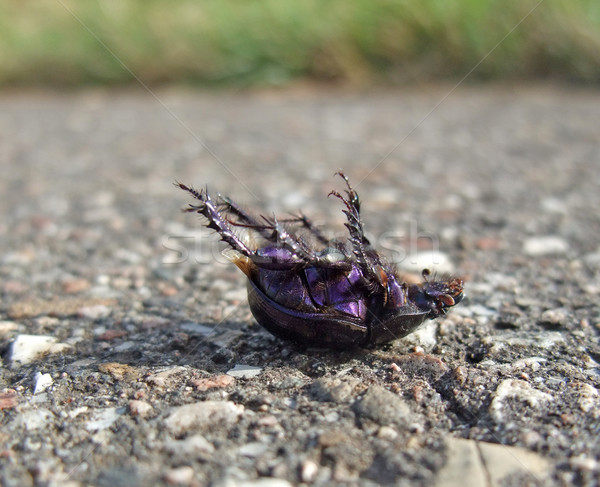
{"x": 325, "y": 293}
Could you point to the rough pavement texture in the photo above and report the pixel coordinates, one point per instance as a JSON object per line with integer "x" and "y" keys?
{"x": 120, "y": 320}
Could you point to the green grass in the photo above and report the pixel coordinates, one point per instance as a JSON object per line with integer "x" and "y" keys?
{"x": 237, "y": 42}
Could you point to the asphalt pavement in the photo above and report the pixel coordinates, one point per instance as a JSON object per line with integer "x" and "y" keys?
{"x": 129, "y": 355}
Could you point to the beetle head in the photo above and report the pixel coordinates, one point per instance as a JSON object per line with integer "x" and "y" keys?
{"x": 436, "y": 295}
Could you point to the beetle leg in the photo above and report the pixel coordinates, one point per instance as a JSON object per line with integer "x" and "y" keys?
{"x": 308, "y": 224}
{"x": 299, "y": 248}
{"x": 361, "y": 247}
{"x": 245, "y": 219}
{"x": 216, "y": 222}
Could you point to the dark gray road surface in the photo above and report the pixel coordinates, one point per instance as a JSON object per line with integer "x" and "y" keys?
{"x": 129, "y": 356}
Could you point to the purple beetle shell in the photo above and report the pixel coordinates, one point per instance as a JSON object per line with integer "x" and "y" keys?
{"x": 328, "y": 294}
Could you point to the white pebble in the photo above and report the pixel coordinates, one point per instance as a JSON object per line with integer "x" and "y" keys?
{"x": 180, "y": 476}
{"x": 244, "y": 371}
{"x": 202, "y": 415}
{"x": 26, "y": 348}
{"x": 548, "y": 245}
{"x": 42, "y": 382}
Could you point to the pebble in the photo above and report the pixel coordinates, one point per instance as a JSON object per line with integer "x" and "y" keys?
{"x": 387, "y": 433}
{"x": 334, "y": 389}
{"x": 516, "y": 389}
{"x": 473, "y": 463}
{"x": 425, "y": 336}
{"x": 463, "y": 467}
{"x": 140, "y": 408}
{"x": 420, "y": 363}
{"x": 7, "y": 326}
{"x": 558, "y": 316}
{"x": 119, "y": 371}
{"x": 501, "y": 462}
{"x": 544, "y": 340}
{"x": 73, "y": 286}
{"x": 26, "y": 348}
{"x": 586, "y": 463}
{"x": 253, "y": 449}
{"x": 202, "y": 416}
{"x": 244, "y": 371}
{"x": 103, "y": 419}
{"x": 94, "y": 312}
{"x": 547, "y": 245}
{"x": 308, "y": 471}
{"x": 217, "y": 381}
{"x": 42, "y": 382}
{"x": 8, "y": 399}
{"x": 161, "y": 379}
{"x": 195, "y": 446}
{"x": 196, "y": 328}
{"x": 110, "y": 335}
{"x": 33, "y": 419}
{"x": 179, "y": 476}
{"x": 384, "y": 407}
{"x": 588, "y": 398}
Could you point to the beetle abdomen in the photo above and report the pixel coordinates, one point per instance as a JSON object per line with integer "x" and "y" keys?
{"x": 321, "y": 329}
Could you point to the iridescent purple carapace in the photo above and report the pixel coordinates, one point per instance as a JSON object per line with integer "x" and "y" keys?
{"x": 337, "y": 294}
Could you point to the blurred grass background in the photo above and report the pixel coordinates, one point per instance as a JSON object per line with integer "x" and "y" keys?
{"x": 273, "y": 42}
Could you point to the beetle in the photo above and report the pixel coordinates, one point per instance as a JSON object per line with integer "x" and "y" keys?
{"x": 335, "y": 294}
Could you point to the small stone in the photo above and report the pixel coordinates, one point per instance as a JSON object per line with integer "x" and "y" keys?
{"x": 383, "y": 407}
{"x": 547, "y": 245}
{"x": 8, "y": 399}
{"x": 588, "y": 398}
{"x": 425, "y": 336}
{"x": 544, "y": 340}
{"x": 516, "y": 389}
{"x": 387, "y": 433}
{"x": 109, "y": 335}
{"x": 463, "y": 466}
{"x": 74, "y": 286}
{"x": 33, "y": 419}
{"x": 202, "y": 416}
{"x": 253, "y": 449}
{"x": 334, "y": 389}
{"x": 7, "y": 326}
{"x": 179, "y": 476}
{"x": 195, "y": 446}
{"x": 160, "y": 379}
{"x": 27, "y": 348}
{"x": 502, "y": 461}
{"x": 218, "y": 381}
{"x": 558, "y": 316}
{"x": 196, "y": 328}
{"x": 140, "y": 408}
{"x": 420, "y": 363}
{"x": 103, "y": 419}
{"x": 244, "y": 371}
{"x": 42, "y": 382}
{"x": 119, "y": 371}
{"x": 308, "y": 471}
{"x": 583, "y": 462}
{"x": 94, "y": 312}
